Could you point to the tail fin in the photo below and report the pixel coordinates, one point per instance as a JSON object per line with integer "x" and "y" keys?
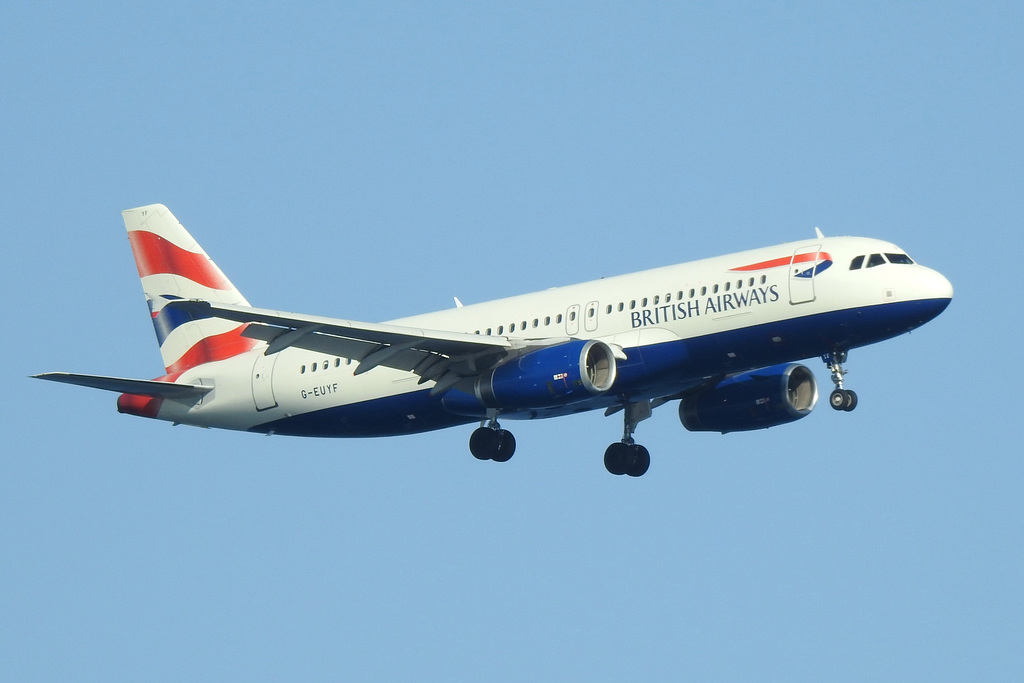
{"x": 171, "y": 266}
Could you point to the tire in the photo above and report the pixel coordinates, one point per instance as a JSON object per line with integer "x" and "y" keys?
{"x": 851, "y": 400}
{"x": 641, "y": 458}
{"x": 483, "y": 443}
{"x": 506, "y": 446}
{"x": 616, "y": 458}
{"x": 837, "y": 399}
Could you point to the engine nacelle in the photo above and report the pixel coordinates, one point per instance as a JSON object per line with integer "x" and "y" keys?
{"x": 754, "y": 400}
{"x": 551, "y": 376}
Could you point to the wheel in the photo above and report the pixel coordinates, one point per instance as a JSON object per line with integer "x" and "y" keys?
{"x": 506, "y": 446}
{"x": 837, "y": 399}
{"x": 851, "y": 400}
{"x": 616, "y": 458}
{"x": 640, "y": 461}
{"x": 483, "y": 443}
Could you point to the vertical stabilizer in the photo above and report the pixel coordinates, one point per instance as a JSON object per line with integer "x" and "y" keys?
{"x": 171, "y": 266}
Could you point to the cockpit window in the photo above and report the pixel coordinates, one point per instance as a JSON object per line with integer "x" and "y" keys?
{"x": 857, "y": 262}
{"x": 875, "y": 260}
{"x": 901, "y": 259}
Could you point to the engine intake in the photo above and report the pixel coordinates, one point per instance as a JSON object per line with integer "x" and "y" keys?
{"x": 754, "y": 400}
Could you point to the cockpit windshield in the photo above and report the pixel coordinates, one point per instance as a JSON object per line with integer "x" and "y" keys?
{"x": 880, "y": 260}
{"x": 901, "y": 259}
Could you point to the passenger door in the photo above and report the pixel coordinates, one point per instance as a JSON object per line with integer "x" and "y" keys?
{"x": 801, "y": 274}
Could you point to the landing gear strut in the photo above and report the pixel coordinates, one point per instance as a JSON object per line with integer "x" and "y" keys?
{"x": 491, "y": 442}
{"x": 627, "y": 456}
{"x": 840, "y": 399}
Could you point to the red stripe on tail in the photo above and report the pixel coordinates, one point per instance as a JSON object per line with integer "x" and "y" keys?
{"x": 210, "y": 349}
{"x": 154, "y": 255}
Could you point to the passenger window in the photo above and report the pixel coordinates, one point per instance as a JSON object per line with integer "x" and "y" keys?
{"x": 643, "y": 304}
{"x": 875, "y": 260}
{"x": 857, "y": 262}
{"x": 536, "y": 323}
{"x": 692, "y": 292}
{"x": 728, "y": 286}
{"x": 572, "y": 316}
{"x": 312, "y": 368}
{"x": 501, "y": 329}
{"x": 591, "y": 312}
{"x": 714, "y": 290}
{"x": 656, "y": 299}
{"x": 511, "y": 328}
{"x": 558, "y": 319}
{"x": 621, "y": 306}
{"x": 764, "y": 279}
{"x": 632, "y": 304}
{"x": 326, "y": 365}
{"x": 547, "y": 320}
{"x": 901, "y": 259}
{"x": 302, "y": 370}
{"x": 337, "y": 361}
{"x": 609, "y": 309}
{"x": 488, "y": 332}
{"x": 703, "y": 291}
{"x": 751, "y": 283}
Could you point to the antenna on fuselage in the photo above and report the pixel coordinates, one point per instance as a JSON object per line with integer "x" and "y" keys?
{"x": 818, "y": 233}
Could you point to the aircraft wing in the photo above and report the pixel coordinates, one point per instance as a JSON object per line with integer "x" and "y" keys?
{"x": 122, "y": 385}
{"x": 443, "y": 356}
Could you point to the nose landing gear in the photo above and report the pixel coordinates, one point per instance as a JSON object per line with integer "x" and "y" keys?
{"x": 840, "y": 398}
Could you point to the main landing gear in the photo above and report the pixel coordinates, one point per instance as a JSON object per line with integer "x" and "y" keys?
{"x": 627, "y": 456}
{"x": 840, "y": 398}
{"x": 491, "y": 442}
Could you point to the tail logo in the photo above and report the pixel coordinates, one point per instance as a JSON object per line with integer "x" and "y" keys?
{"x": 172, "y": 266}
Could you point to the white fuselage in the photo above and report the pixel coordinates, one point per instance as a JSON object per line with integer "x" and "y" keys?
{"x": 677, "y": 327}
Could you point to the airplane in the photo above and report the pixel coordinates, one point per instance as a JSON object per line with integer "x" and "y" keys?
{"x": 720, "y": 335}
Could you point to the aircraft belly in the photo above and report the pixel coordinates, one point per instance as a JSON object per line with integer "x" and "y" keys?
{"x": 405, "y": 413}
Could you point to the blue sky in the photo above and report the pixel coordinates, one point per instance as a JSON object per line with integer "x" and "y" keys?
{"x": 373, "y": 160}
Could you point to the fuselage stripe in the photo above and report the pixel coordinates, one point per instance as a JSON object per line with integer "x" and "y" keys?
{"x": 786, "y": 260}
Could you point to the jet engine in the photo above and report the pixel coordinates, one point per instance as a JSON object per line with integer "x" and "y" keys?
{"x": 754, "y": 400}
{"x": 551, "y": 376}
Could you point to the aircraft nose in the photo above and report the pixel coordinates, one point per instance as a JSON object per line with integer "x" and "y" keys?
{"x": 939, "y": 286}
{"x": 935, "y": 293}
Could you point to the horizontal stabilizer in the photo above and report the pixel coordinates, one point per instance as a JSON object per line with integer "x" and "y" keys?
{"x": 142, "y": 387}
